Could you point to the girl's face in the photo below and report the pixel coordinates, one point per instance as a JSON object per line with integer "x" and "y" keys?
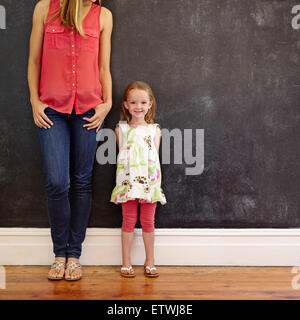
{"x": 138, "y": 103}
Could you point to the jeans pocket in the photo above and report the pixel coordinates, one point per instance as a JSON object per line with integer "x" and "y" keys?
{"x": 49, "y": 110}
{"x": 89, "y": 113}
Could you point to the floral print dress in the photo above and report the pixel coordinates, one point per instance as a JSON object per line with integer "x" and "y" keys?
{"x": 138, "y": 173}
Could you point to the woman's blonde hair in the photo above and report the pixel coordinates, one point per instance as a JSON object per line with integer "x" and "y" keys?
{"x": 140, "y": 85}
{"x": 69, "y": 14}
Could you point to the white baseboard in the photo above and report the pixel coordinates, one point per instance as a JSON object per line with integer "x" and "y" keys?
{"x": 197, "y": 247}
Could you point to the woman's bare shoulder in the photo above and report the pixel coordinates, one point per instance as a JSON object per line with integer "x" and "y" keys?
{"x": 41, "y": 9}
{"x": 106, "y": 19}
{"x": 43, "y": 4}
{"x": 106, "y": 12}
{"x": 106, "y": 16}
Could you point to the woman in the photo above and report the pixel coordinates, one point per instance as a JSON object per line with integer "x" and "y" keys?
{"x": 71, "y": 94}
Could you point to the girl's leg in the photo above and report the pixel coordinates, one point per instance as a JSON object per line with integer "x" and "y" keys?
{"x": 129, "y": 212}
{"x": 147, "y": 214}
{"x": 55, "y": 143}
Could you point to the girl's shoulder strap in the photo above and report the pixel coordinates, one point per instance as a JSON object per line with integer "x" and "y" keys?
{"x": 123, "y": 127}
{"x": 153, "y": 127}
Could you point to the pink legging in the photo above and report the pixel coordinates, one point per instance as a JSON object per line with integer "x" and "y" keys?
{"x": 130, "y": 210}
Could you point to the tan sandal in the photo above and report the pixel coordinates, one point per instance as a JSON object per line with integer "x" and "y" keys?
{"x": 129, "y": 274}
{"x": 57, "y": 265}
{"x": 149, "y": 274}
{"x": 73, "y": 265}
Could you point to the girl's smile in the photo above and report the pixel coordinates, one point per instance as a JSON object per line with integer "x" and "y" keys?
{"x": 138, "y": 104}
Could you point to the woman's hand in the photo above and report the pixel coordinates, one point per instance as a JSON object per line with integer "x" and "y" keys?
{"x": 96, "y": 120}
{"x": 40, "y": 118}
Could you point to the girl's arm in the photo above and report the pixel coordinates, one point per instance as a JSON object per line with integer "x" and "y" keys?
{"x": 34, "y": 64}
{"x": 157, "y": 137}
{"x": 103, "y": 109}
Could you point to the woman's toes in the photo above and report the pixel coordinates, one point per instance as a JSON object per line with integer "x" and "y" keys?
{"x": 67, "y": 275}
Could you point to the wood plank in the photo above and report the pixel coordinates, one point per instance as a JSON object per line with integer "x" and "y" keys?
{"x": 183, "y": 283}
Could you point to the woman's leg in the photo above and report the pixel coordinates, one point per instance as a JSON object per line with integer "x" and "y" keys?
{"x": 147, "y": 214}
{"x": 83, "y": 146}
{"x": 129, "y": 213}
{"x": 55, "y": 143}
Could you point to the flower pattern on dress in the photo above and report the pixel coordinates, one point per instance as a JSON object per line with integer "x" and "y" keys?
{"x": 138, "y": 173}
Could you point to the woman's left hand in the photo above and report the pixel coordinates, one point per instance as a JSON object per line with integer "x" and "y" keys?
{"x": 96, "y": 120}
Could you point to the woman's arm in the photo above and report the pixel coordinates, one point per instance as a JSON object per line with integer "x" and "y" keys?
{"x": 34, "y": 64}
{"x": 104, "y": 55}
{"x": 105, "y": 78}
{"x": 157, "y": 137}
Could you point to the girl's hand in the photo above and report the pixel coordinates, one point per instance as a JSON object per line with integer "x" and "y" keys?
{"x": 40, "y": 118}
{"x": 96, "y": 120}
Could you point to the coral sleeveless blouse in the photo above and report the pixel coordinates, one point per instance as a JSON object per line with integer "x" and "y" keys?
{"x": 69, "y": 69}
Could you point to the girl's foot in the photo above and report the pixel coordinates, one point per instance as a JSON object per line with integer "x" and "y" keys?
{"x": 57, "y": 269}
{"x": 73, "y": 270}
{"x": 127, "y": 272}
{"x": 150, "y": 271}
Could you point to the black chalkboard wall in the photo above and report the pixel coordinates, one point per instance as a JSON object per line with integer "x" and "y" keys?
{"x": 230, "y": 67}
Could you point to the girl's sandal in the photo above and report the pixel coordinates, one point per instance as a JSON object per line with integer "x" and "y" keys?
{"x": 57, "y": 265}
{"x": 73, "y": 265}
{"x": 130, "y": 274}
{"x": 149, "y": 274}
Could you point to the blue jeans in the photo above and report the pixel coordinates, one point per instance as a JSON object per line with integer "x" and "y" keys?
{"x": 68, "y": 152}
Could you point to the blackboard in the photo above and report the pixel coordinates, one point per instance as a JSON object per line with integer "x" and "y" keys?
{"x": 229, "y": 67}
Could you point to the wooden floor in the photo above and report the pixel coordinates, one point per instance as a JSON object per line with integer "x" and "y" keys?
{"x": 178, "y": 283}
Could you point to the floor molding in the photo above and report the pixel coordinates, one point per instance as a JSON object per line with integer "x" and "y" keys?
{"x": 194, "y": 247}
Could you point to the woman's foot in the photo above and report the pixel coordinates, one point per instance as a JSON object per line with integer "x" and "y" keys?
{"x": 127, "y": 272}
{"x": 73, "y": 270}
{"x": 57, "y": 269}
{"x": 150, "y": 270}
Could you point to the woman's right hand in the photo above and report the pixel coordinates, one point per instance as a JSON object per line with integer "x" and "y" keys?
{"x": 39, "y": 116}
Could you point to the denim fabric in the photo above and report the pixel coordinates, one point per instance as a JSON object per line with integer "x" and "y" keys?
{"x": 68, "y": 151}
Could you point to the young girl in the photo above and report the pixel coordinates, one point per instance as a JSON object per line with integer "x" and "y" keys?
{"x": 138, "y": 177}
{"x": 71, "y": 94}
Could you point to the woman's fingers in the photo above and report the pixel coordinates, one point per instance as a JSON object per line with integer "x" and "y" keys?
{"x": 43, "y": 122}
{"x": 45, "y": 117}
{"x": 94, "y": 122}
{"x": 90, "y": 119}
{"x": 40, "y": 124}
{"x": 40, "y": 118}
{"x": 37, "y": 123}
{"x": 98, "y": 127}
{"x": 93, "y": 125}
